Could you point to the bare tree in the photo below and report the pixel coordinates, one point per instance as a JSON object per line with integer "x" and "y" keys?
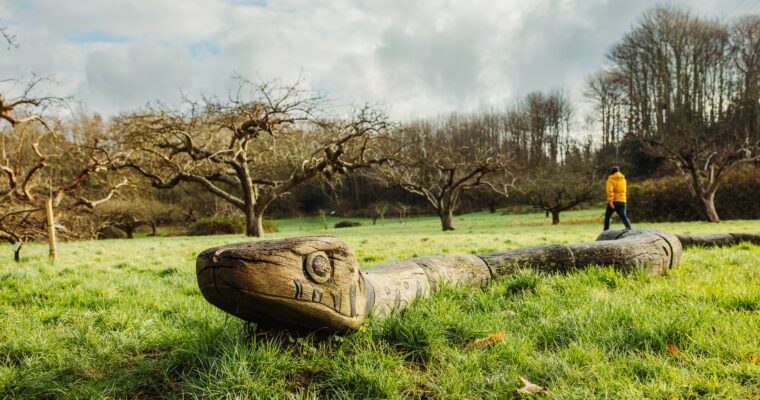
{"x": 36, "y": 164}
{"x": 745, "y": 39}
{"x": 559, "y": 189}
{"x": 690, "y": 90}
{"x": 442, "y": 159}
{"x": 26, "y": 106}
{"x": 403, "y": 212}
{"x": 9, "y": 38}
{"x": 379, "y": 208}
{"x": 129, "y": 214}
{"x": 251, "y": 150}
{"x": 603, "y": 89}
{"x": 41, "y": 160}
{"x": 535, "y": 127}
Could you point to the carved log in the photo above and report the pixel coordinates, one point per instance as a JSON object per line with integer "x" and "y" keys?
{"x": 305, "y": 281}
{"x": 717, "y": 239}
{"x": 315, "y": 282}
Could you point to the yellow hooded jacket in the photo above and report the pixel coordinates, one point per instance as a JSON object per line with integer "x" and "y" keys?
{"x": 616, "y": 188}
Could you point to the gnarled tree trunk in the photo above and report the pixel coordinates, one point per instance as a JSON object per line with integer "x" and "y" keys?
{"x": 447, "y": 219}
{"x": 555, "y": 217}
{"x": 257, "y": 225}
{"x": 707, "y": 201}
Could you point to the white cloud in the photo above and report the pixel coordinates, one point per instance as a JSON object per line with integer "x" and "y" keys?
{"x": 132, "y": 73}
{"x": 419, "y": 58}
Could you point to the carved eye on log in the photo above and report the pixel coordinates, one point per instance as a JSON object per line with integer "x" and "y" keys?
{"x": 318, "y": 267}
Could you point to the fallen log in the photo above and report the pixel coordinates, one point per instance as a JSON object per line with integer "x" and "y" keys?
{"x": 316, "y": 282}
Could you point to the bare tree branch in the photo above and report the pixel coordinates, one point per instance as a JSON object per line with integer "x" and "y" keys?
{"x": 251, "y": 149}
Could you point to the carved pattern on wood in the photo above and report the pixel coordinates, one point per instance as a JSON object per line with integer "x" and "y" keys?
{"x": 315, "y": 281}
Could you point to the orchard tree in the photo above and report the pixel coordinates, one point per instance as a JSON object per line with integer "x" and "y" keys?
{"x": 441, "y": 159}
{"x": 128, "y": 214}
{"x": 43, "y": 159}
{"x": 37, "y": 164}
{"x": 252, "y": 149}
{"x": 559, "y": 188}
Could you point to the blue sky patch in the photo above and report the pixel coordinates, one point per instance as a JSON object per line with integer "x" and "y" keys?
{"x": 259, "y": 3}
{"x": 98, "y": 37}
{"x": 203, "y": 49}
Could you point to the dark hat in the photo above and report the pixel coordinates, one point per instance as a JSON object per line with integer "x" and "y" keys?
{"x": 613, "y": 169}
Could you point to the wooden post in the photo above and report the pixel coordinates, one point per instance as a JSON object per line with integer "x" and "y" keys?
{"x": 51, "y": 228}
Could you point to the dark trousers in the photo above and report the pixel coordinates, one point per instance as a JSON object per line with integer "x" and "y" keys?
{"x": 620, "y": 209}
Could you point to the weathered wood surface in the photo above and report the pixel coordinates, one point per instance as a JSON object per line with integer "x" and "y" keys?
{"x": 398, "y": 283}
{"x": 315, "y": 282}
{"x": 295, "y": 281}
{"x": 717, "y": 239}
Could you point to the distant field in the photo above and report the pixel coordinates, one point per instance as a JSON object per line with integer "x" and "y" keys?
{"x": 125, "y": 319}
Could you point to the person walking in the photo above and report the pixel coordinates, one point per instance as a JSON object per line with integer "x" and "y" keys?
{"x": 616, "y": 199}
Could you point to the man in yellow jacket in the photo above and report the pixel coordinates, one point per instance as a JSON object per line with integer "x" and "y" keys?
{"x": 616, "y": 200}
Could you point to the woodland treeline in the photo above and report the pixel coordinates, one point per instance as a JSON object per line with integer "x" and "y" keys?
{"x": 679, "y": 97}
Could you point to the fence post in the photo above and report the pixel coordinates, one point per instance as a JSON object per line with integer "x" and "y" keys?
{"x": 51, "y": 228}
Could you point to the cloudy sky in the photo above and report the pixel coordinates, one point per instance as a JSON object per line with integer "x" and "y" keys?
{"x": 416, "y": 58}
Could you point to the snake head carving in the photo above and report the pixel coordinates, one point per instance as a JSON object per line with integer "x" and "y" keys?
{"x": 307, "y": 281}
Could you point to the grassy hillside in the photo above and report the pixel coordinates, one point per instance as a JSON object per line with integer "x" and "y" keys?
{"x": 124, "y": 319}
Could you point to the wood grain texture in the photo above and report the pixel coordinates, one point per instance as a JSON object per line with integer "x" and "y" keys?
{"x": 315, "y": 282}
{"x": 717, "y": 239}
{"x": 398, "y": 283}
{"x": 551, "y": 258}
{"x": 269, "y": 281}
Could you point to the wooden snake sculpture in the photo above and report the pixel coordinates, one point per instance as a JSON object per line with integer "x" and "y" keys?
{"x": 315, "y": 281}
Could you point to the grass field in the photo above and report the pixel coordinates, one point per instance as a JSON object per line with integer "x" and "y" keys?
{"x": 125, "y": 319}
